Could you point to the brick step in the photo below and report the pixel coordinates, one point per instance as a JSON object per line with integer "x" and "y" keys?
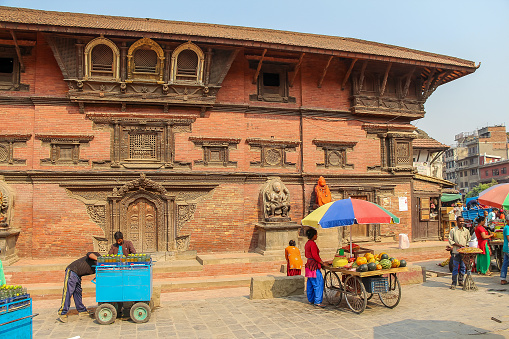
{"x": 52, "y": 290}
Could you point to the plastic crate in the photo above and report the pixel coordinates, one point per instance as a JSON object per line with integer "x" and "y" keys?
{"x": 16, "y": 319}
{"x": 376, "y": 284}
{"x": 129, "y": 282}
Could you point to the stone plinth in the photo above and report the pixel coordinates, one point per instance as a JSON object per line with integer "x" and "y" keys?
{"x": 8, "y": 238}
{"x": 274, "y": 237}
{"x": 276, "y": 286}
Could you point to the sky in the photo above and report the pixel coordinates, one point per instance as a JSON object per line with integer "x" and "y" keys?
{"x": 474, "y": 30}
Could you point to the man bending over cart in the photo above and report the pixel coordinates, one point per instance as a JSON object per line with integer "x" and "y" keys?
{"x": 72, "y": 284}
{"x": 121, "y": 246}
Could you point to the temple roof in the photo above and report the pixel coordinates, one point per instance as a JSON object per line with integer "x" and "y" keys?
{"x": 30, "y": 19}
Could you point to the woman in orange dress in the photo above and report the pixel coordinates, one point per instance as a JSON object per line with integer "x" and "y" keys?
{"x": 293, "y": 260}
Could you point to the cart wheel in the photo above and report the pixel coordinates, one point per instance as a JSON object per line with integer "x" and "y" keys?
{"x": 392, "y": 297}
{"x": 499, "y": 258}
{"x": 332, "y": 288}
{"x": 355, "y": 294}
{"x": 105, "y": 314}
{"x": 140, "y": 313}
{"x": 370, "y": 296}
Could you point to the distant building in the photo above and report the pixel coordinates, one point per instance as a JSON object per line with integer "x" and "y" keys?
{"x": 427, "y": 155}
{"x": 497, "y": 170}
{"x": 473, "y": 150}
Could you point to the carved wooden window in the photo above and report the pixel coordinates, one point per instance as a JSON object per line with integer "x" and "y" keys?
{"x": 216, "y": 151}
{"x": 64, "y": 150}
{"x": 403, "y": 154}
{"x": 334, "y": 153}
{"x": 143, "y": 146}
{"x": 7, "y": 145}
{"x": 102, "y": 60}
{"x": 187, "y": 64}
{"x": 9, "y": 69}
{"x": 272, "y": 152}
{"x": 145, "y": 61}
{"x": 272, "y": 85}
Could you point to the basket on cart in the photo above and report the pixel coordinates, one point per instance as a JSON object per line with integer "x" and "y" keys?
{"x": 16, "y": 317}
{"x": 376, "y": 284}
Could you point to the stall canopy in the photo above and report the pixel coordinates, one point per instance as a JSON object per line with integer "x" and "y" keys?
{"x": 447, "y": 197}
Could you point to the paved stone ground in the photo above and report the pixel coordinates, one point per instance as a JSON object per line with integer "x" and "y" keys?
{"x": 429, "y": 310}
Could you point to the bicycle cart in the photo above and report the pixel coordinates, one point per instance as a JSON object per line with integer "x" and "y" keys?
{"x": 359, "y": 287}
{"x": 16, "y": 317}
{"x": 123, "y": 284}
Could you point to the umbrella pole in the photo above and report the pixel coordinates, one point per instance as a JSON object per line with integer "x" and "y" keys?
{"x": 351, "y": 253}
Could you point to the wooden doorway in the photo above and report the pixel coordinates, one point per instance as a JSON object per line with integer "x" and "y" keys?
{"x": 360, "y": 232}
{"x": 426, "y": 217}
{"x": 142, "y": 225}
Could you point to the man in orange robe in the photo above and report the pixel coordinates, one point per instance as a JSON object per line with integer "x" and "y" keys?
{"x": 322, "y": 191}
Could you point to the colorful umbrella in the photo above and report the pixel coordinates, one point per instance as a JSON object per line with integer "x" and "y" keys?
{"x": 347, "y": 212}
{"x": 495, "y": 196}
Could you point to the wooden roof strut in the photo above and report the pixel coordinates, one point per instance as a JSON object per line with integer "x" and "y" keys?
{"x": 324, "y": 71}
{"x": 18, "y": 51}
{"x": 361, "y": 77}
{"x": 297, "y": 68}
{"x": 384, "y": 83}
{"x": 348, "y": 73}
{"x": 407, "y": 82}
{"x": 255, "y": 78}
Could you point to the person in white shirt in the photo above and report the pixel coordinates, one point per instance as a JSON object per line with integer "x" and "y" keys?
{"x": 459, "y": 237}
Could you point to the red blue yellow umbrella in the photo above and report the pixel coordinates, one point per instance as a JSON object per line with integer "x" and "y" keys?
{"x": 495, "y": 196}
{"x": 349, "y": 212}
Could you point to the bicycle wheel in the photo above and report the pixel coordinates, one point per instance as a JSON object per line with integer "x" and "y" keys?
{"x": 392, "y": 297}
{"x": 332, "y": 288}
{"x": 355, "y": 294}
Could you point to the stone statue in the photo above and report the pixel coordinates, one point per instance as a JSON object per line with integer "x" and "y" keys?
{"x": 276, "y": 201}
{"x": 323, "y": 195}
{"x": 6, "y": 205}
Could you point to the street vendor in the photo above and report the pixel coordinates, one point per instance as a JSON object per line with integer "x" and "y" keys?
{"x": 72, "y": 284}
{"x": 459, "y": 237}
{"x": 505, "y": 251}
{"x": 121, "y": 246}
{"x": 314, "y": 263}
{"x": 483, "y": 259}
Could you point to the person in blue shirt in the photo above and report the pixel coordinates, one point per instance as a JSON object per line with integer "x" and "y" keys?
{"x": 121, "y": 246}
{"x": 505, "y": 250}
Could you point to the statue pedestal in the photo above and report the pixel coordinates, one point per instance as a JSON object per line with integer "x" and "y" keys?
{"x": 273, "y": 237}
{"x": 8, "y": 238}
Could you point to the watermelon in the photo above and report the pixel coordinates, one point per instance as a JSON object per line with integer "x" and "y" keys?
{"x": 386, "y": 263}
{"x": 402, "y": 263}
{"x": 371, "y": 266}
{"x": 384, "y": 256}
{"x": 362, "y": 268}
{"x": 391, "y": 259}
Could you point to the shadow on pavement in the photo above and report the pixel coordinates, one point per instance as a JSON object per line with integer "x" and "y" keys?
{"x": 411, "y": 328}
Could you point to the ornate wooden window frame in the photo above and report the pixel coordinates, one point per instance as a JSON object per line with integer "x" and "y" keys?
{"x": 7, "y": 144}
{"x": 220, "y": 145}
{"x": 158, "y": 75}
{"x": 59, "y": 142}
{"x": 284, "y": 89}
{"x": 174, "y": 69}
{"x": 15, "y": 83}
{"x": 335, "y": 148}
{"x": 272, "y": 152}
{"x": 88, "y": 59}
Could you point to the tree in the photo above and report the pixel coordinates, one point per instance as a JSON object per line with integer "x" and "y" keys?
{"x": 479, "y": 188}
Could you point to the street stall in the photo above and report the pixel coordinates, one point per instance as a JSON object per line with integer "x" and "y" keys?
{"x": 123, "y": 282}
{"x": 15, "y": 312}
{"x": 468, "y": 255}
{"x": 360, "y": 274}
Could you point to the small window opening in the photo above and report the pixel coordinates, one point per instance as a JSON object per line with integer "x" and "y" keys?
{"x": 6, "y": 65}
{"x": 271, "y": 79}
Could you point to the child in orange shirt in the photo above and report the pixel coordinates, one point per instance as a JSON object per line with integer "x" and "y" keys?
{"x": 293, "y": 259}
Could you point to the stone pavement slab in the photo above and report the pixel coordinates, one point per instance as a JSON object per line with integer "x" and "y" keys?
{"x": 428, "y": 310}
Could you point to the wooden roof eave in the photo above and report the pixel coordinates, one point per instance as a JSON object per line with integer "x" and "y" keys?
{"x": 234, "y": 42}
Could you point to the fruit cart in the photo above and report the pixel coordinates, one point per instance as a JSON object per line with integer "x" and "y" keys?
{"x": 123, "y": 282}
{"x": 16, "y": 315}
{"x": 496, "y": 250}
{"x": 359, "y": 287}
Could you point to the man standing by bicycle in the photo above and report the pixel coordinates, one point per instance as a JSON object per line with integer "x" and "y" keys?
{"x": 459, "y": 237}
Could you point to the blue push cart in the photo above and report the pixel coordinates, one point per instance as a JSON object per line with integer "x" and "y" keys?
{"x": 16, "y": 317}
{"x": 123, "y": 284}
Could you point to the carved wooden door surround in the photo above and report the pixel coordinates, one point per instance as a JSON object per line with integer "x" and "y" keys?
{"x": 141, "y": 227}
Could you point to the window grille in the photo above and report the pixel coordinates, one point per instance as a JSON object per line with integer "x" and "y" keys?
{"x": 187, "y": 65}
{"x": 102, "y": 60}
{"x": 145, "y": 61}
{"x": 142, "y": 146}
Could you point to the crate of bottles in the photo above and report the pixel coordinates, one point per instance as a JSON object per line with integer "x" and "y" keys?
{"x": 15, "y": 312}
{"x": 122, "y": 260}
